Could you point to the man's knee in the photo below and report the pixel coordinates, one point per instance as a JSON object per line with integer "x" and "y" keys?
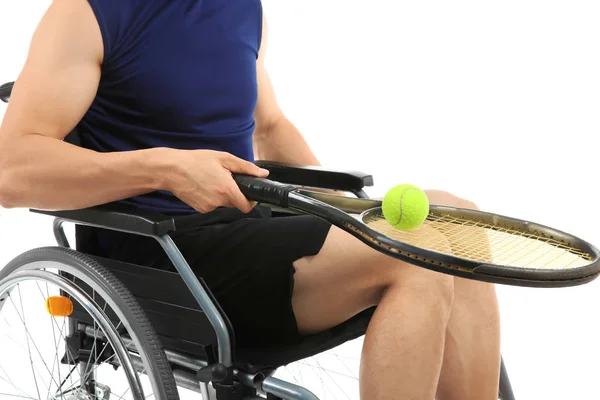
{"x": 443, "y": 198}
{"x": 428, "y": 288}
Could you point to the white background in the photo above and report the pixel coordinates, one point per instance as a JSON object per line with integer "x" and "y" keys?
{"x": 498, "y": 102}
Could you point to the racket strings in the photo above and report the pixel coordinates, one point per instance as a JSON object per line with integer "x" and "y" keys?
{"x": 485, "y": 242}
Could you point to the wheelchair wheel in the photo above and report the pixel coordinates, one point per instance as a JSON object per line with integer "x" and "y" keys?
{"x": 329, "y": 375}
{"x": 70, "y": 330}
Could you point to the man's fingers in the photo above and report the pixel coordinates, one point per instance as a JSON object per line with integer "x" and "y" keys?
{"x": 235, "y": 164}
{"x": 239, "y": 201}
{"x": 243, "y": 204}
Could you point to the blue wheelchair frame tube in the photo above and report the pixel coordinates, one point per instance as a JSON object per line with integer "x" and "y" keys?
{"x": 203, "y": 299}
{"x": 189, "y": 278}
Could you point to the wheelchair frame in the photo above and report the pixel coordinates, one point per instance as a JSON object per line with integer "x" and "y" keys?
{"x": 158, "y": 227}
{"x": 269, "y": 384}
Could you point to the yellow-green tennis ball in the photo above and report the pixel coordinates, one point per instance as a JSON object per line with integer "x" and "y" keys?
{"x": 405, "y": 207}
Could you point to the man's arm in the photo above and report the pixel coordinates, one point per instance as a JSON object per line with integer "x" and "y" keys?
{"x": 275, "y": 137}
{"x": 54, "y": 90}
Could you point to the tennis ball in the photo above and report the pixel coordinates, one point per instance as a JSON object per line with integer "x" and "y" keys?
{"x": 405, "y": 207}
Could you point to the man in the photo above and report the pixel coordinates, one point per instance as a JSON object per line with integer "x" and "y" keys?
{"x": 171, "y": 97}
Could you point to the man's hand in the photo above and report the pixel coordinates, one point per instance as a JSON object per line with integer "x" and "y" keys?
{"x": 202, "y": 179}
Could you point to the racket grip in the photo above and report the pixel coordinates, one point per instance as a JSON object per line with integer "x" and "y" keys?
{"x": 264, "y": 190}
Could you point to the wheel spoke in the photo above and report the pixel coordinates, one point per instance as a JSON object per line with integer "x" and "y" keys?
{"x": 63, "y": 382}
{"x": 19, "y": 396}
{"x": 55, "y": 362}
{"x": 12, "y": 384}
{"x": 27, "y": 338}
{"x": 102, "y": 351}
{"x": 20, "y": 346}
{"x": 328, "y": 379}
{"x": 62, "y": 337}
{"x": 93, "y": 350}
{"x": 129, "y": 388}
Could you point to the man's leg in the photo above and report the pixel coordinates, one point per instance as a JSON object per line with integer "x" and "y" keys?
{"x": 472, "y": 357}
{"x": 404, "y": 346}
{"x": 471, "y": 365}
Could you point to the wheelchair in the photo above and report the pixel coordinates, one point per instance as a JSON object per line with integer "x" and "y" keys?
{"x": 159, "y": 331}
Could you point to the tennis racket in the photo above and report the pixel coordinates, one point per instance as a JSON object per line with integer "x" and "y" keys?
{"x": 461, "y": 242}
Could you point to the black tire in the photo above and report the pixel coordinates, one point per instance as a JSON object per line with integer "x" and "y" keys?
{"x": 505, "y": 392}
{"x": 106, "y": 284}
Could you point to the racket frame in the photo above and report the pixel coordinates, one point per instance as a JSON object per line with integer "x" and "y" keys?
{"x": 335, "y": 209}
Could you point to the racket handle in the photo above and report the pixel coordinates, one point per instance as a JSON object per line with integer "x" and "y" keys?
{"x": 264, "y": 190}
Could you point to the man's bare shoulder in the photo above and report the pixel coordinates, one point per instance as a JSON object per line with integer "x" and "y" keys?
{"x": 61, "y": 73}
{"x": 74, "y": 22}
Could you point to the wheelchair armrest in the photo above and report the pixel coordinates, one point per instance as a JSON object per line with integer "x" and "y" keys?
{"x": 5, "y": 91}
{"x": 326, "y": 178}
{"x": 118, "y": 217}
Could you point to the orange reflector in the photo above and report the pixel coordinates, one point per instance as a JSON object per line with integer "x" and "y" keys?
{"x": 59, "y": 306}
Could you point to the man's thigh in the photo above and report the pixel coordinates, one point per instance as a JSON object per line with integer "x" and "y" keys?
{"x": 347, "y": 276}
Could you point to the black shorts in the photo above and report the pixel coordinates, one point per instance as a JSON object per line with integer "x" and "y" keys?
{"x": 245, "y": 259}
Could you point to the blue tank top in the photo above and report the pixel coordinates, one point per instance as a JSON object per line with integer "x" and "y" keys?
{"x": 176, "y": 73}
